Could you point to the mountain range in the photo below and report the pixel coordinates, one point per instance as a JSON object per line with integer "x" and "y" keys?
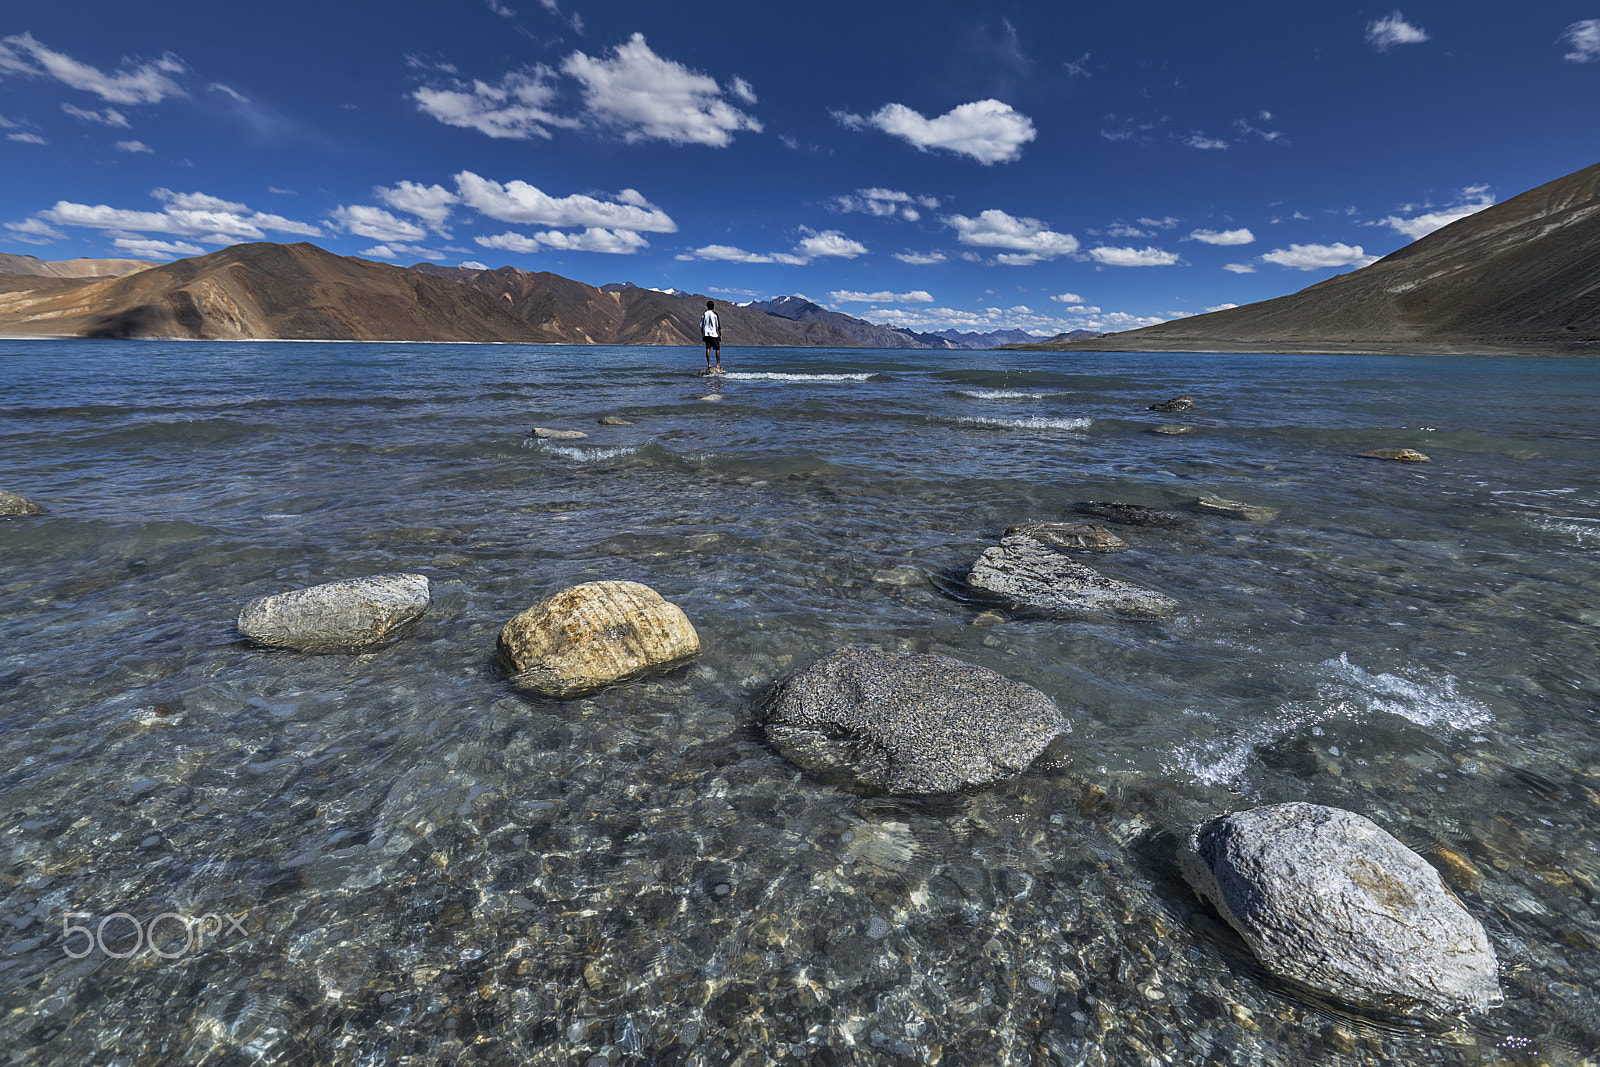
{"x": 1520, "y": 277}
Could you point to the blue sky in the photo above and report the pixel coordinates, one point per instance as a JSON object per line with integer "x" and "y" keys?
{"x": 1047, "y": 166}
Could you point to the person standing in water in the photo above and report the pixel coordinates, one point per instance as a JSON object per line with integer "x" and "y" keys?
{"x": 711, "y": 330}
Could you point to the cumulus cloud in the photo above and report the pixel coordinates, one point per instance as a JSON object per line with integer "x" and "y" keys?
{"x": 1383, "y": 34}
{"x": 984, "y": 320}
{"x": 829, "y": 243}
{"x": 1166, "y": 223}
{"x": 34, "y": 231}
{"x": 1133, "y": 257}
{"x": 1239, "y": 268}
{"x": 108, "y": 117}
{"x": 148, "y": 248}
{"x": 851, "y": 296}
{"x": 472, "y": 264}
{"x": 1067, "y": 298}
{"x": 431, "y": 203}
{"x": 1220, "y": 307}
{"x": 516, "y": 108}
{"x": 1025, "y": 240}
{"x": 135, "y": 83}
{"x": 732, "y": 254}
{"x": 921, "y": 259}
{"x": 1222, "y": 237}
{"x": 193, "y": 215}
{"x": 395, "y": 251}
{"x": 376, "y": 223}
{"x": 1471, "y": 200}
{"x": 1314, "y": 257}
{"x": 1584, "y": 39}
{"x": 519, "y": 202}
{"x": 884, "y": 203}
{"x": 133, "y": 146}
{"x": 986, "y": 130}
{"x": 652, "y": 98}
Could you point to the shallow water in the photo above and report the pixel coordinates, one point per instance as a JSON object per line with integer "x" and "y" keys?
{"x": 402, "y": 859}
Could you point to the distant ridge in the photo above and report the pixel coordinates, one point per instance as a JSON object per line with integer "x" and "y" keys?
{"x": 1521, "y": 277}
{"x": 33, "y": 266}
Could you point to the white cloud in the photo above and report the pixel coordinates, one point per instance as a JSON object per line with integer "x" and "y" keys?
{"x": 1222, "y": 237}
{"x": 1584, "y": 37}
{"x": 516, "y": 108}
{"x": 1200, "y": 140}
{"x": 984, "y": 320}
{"x": 987, "y": 130}
{"x": 519, "y": 202}
{"x": 921, "y": 259}
{"x": 34, "y": 232}
{"x": 193, "y": 215}
{"x": 1161, "y": 224}
{"x": 395, "y": 251}
{"x": 108, "y": 117}
{"x": 731, "y": 254}
{"x": 1025, "y": 240}
{"x": 145, "y": 83}
{"x": 1239, "y": 268}
{"x": 1067, "y": 298}
{"x": 472, "y": 264}
{"x": 850, "y": 296}
{"x": 376, "y": 223}
{"x": 1314, "y": 257}
{"x": 651, "y": 98}
{"x": 145, "y": 248}
{"x": 594, "y": 239}
{"x": 1122, "y": 229}
{"x": 1220, "y": 307}
{"x": 431, "y": 203}
{"x": 884, "y": 203}
{"x": 26, "y": 138}
{"x": 830, "y": 243}
{"x": 1133, "y": 257}
{"x": 1383, "y": 34}
{"x": 1471, "y": 200}
{"x": 134, "y": 146}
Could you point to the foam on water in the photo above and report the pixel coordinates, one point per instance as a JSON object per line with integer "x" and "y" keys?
{"x": 774, "y": 376}
{"x": 1031, "y": 423}
{"x": 592, "y": 455}
{"x": 1005, "y": 394}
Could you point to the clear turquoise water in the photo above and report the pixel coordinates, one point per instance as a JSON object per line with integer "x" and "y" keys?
{"x": 427, "y": 867}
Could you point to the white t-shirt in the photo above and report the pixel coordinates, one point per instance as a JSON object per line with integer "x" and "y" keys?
{"x": 709, "y": 326}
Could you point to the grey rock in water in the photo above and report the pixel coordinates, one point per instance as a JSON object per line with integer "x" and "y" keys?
{"x": 556, "y": 435}
{"x": 910, "y": 723}
{"x": 356, "y": 615}
{"x": 612, "y": 420}
{"x": 1233, "y": 509}
{"x": 1073, "y": 536}
{"x": 1404, "y": 455}
{"x": 1329, "y": 899}
{"x": 1028, "y": 571}
{"x": 1131, "y": 514}
{"x": 587, "y": 637}
{"x": 12, "y": 504}
{"x": 1177, "y": 403}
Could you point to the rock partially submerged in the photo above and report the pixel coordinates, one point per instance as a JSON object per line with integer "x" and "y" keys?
{"x": 909, "y": 723}
{"x": 355, "y": 615}
{"x": 1329, "y": 899}
{"x": 612, "y": 420}
{"x": 1074, "y": 536}
{"x": 1177, "y": 403}
{"x": 12, "y": 504}
{"x": 556, "y": 435}
{"x": 592, "y": 635}
{"x": 1130, "y": 514}
{"x": 1404, "y": 455}
{"x": 1028, "y": 571}
{"x": 1233, "y": 509}
{"x": 1172, "y": 429}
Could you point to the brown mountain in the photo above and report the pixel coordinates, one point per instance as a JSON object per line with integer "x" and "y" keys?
{"x": 69, "y": 268}
{"x": 262, "y": 291}
{"x": 1521, "y": 277}
{"x": 628, "y": 315}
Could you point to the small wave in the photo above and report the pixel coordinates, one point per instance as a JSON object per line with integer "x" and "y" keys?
{"x": 773, "y": 376}
{"x": 1585, "y": 533}
{"x": 1004, "y": 394}
{"x": 1033, "y": 423}
{"x": 592, "y": 455}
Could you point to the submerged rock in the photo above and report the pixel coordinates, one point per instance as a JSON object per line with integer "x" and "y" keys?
{"x": 355, "y": 615}
{"x": 612, "y": 420}
{"x": 1404, "y": 455}
{"x": 591, "y": 635}
{"x": 1130, "y": 514}
{"x": 1076, "y": 536}
{"x": 12, "y": 504}
{"x": 1233, "y": 509}
{"x": 557, "y": 435}
{"x": 1329, "y": 899}
{"x": 1177, "y": 403}
{"x": 1028, "y": 571}
{"x": 910, "y": 723}
{"x": 1172, "y": 429}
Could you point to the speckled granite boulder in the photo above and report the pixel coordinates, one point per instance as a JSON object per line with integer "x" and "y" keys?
{"x": 1329, "y": 899}
{"x": 1131, "y": 514}
{"x": 906, "y": 723}
{"x": 1073, "y": 536}
{"x": 591, "y": 635}
{"x": 12, "y": 504}
{"x": 557, "y": 435}
{"x": 357, "y": 615}
{"x": 1027, "y": 571}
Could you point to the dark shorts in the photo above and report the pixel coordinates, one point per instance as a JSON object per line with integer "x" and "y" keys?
{"x": 714, "y": 343}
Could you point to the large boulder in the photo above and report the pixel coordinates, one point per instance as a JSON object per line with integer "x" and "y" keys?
{"x": 1329, "y": 899}
{"x": 12, "y": 504}
{"x": 1073, "y": 536}
{"x": 1031, "y": 572}
{"x": 908, "y": 723}
{"x": 357, "y": 615}
{"x": 591, "y": 635}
